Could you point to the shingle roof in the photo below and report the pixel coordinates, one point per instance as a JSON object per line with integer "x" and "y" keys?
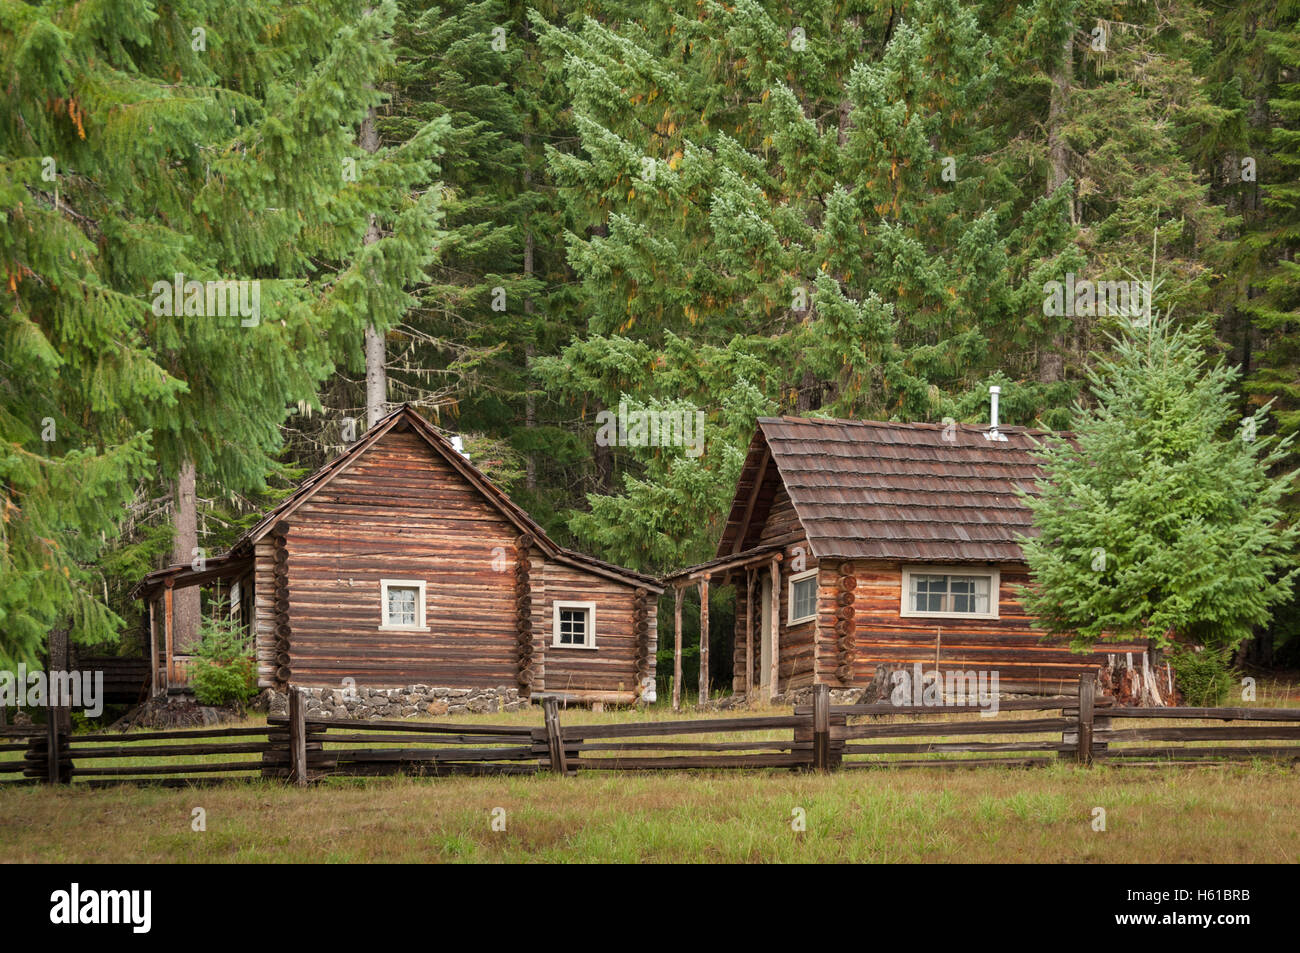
{"x": 910, "y": 492}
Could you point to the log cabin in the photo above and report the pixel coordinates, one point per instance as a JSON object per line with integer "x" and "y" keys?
{"x": 400, "y": 565}
{"x": 857, "y": 545}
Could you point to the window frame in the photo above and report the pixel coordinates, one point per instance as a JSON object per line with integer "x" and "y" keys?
{"x": 790, "y": 619}
{"x": 417, "y": 584}
{"x": 993, "y": 574}
{"x": 589, "y": 608}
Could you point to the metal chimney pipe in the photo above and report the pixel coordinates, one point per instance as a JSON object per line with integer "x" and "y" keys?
{"x": 993, "y": 409}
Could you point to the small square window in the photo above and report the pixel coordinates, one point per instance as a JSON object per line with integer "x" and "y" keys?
{"x": 802, "y": 597}
{"x": 403, "y": 604}
{"x": 575, "y": 625}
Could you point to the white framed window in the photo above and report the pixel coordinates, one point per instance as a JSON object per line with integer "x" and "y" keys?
{"x": 950, "y": 592}
{"x": 575, "y": 625}
{"x": 802, "y": 597}
{"x": 402, "y": 605}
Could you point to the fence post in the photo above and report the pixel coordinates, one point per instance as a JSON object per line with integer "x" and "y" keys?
{"x": 821, "y": 750}
{"x": 297, "y": 738}
{"x": 554, "y": 742}
{"x": 51, "y": 744}
{"x": 1087, "y": 696}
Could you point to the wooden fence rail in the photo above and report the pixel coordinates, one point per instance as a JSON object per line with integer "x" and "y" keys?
{"x": 300, "y": 748}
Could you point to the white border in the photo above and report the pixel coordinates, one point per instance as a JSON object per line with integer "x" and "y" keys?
{"x": 789, "y": 592}
{"x": 384, "y": 624}
{"x": 555, "y": 624}
{"x": 995, "y": 587}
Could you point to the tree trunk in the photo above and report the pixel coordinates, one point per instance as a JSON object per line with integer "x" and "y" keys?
{"x": 376, "y": 352}
{"x": 58, "y": 662}
{"x": 530, "y": 348}
{"x": 1141, "y": 681}
{"x": 1051, "y": 358}
{"x": 185, "y": 521}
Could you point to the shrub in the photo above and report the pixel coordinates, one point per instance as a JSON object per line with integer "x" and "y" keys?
{"x": 223, "y": 669}
{"x": 1206, "y": 677}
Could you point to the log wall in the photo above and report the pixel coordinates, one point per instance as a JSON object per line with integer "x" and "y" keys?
{"x": 1007, "y": 644}
{"x": 612, "y": 664}
{"x": 401, "y": 512}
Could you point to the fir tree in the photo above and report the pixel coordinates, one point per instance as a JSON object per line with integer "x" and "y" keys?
{"x": 1161, "y": 519}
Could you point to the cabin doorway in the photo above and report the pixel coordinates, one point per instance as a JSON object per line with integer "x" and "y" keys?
{"x": 765, "y": 637}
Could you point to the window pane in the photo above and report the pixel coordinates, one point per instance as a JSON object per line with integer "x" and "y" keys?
{"x": 964, "y": 594}
{"x": 805, "y": 598}
{"x": 573, "y": 626}
{"x": 401, "y": 605}
{"x": 928, "y": 593}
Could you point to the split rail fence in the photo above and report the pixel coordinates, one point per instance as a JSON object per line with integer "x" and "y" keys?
{"x": 820, "y": 736}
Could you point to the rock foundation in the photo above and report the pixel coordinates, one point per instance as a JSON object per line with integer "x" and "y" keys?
{"x": 413, "y": 701}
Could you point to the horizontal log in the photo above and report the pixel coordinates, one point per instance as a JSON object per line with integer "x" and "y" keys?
{"x": 410, "y": 726}
{"x": 1223, "y": 714}
{"x": 944, "y": 747}
{"x": 954, "y": 763}
{"x": 1206, "y": 733}
{"x": 1006, "y": 726}
{"x": 885, "y": 708}
{"x": 696, "y": 761}
{"x": 168, "y": 735}
{"x": 335, "y": 738}
{"x": 518, "y": 753}
{"x": 700, "y": 726}
{"x": 694, "y": 746}
{"x": 79, "y": 752}
{"x": 1188, "y": 751}
{"x": 167, "y": 769}
{"x": 422, "y": 769}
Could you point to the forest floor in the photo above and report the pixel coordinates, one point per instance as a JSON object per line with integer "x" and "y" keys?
{"x": 1247, "y": 813}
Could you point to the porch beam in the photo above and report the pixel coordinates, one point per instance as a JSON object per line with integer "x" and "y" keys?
{"x": 168, "y": 622}
{"x": 677, "y": 648}
{"x": 704, "y": 640}
{"x": 774, "y": 568}
{"x": 749, "y": 633}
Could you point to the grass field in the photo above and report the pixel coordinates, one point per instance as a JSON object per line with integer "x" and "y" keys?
{"x": 1238, "y": 814}
{"x": 1222, "y": 815}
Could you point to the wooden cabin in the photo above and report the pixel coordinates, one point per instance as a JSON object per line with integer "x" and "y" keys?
{"x": 399, "y": 564}
{"x": 857, "y": 544}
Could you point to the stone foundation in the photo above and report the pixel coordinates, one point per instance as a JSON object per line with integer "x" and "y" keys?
{"x": 413, "y": 701}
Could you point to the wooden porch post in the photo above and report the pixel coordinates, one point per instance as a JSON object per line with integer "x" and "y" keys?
{"x": 704, "y": 640}
{"x": 749, "y": 633}
{"x": 774, "y": 568}
{"x": 153, "y": 652}
{"x": 677, "y": 648}
{"x": 167, "y": 630}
